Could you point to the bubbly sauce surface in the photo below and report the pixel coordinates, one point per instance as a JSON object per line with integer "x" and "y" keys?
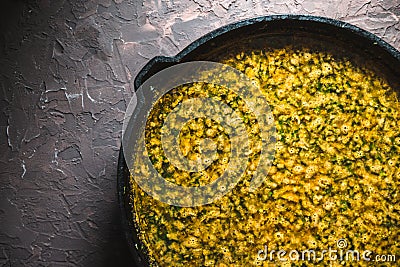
{"x": 335, "y": 174}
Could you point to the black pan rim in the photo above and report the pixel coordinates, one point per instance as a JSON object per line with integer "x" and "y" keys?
{"x": 123, "y": 171}
{"x": 229, "y": 27}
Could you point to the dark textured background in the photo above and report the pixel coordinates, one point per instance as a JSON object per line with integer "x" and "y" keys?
{"x": 64, "y": 86}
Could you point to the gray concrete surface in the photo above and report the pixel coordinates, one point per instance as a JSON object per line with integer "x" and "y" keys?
{"x": 64, "y": 86}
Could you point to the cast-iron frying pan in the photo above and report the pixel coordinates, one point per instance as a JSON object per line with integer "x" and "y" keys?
{"x": 315, "y": 33}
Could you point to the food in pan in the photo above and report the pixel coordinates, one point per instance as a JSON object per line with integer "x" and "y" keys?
{"x": 335, "y": 175}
